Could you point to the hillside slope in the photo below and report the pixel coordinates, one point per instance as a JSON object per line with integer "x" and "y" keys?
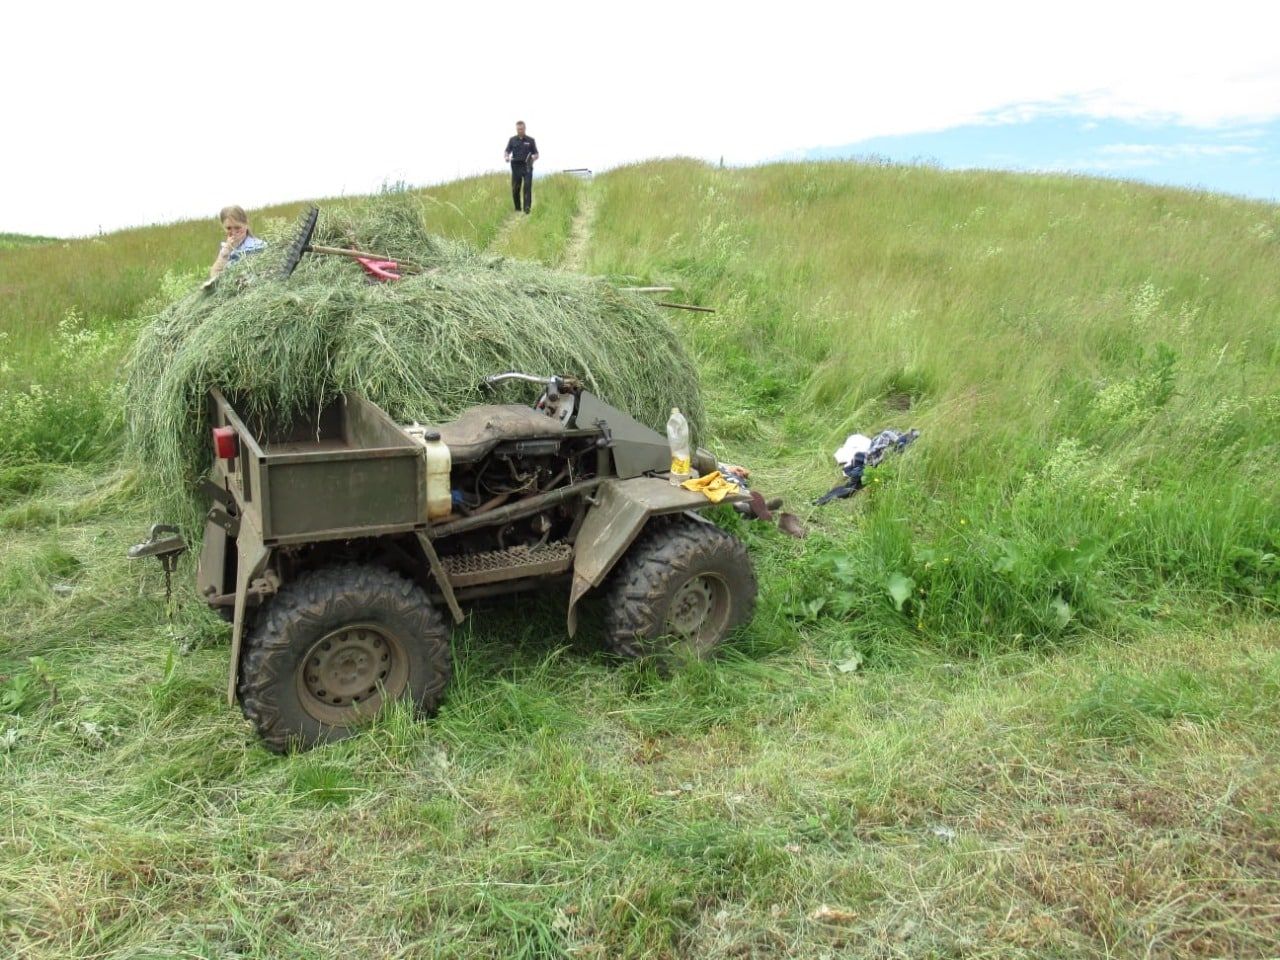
{"x": 13, "y": 241}
{"x": 1017, "y": 698}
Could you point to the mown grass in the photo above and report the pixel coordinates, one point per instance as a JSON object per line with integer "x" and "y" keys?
{"x": 1061, "y": 744}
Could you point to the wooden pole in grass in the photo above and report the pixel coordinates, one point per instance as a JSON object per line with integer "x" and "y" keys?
{"x": 662, "y": 303}
{"x": 686, "y": 306}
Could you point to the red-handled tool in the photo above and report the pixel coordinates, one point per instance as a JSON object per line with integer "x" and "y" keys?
{"x": 379, "y": 269}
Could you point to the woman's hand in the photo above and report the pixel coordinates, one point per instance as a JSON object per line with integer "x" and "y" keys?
{"x": 235, "y": 236}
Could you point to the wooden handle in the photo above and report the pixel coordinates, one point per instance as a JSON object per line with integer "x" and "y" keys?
{"x": 686, "y": 306}
{"x": 362, "y": 255}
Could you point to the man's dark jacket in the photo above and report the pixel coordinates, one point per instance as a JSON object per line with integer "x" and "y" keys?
{"x": 521, "y": 148}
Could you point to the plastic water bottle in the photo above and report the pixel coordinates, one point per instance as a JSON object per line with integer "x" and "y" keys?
{"x": 678, "y": 439}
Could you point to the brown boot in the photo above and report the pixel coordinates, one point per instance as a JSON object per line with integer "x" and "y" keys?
{"x": 790, "y": 524}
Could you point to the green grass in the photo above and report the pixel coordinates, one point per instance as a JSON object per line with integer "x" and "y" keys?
{"x": 1060, "y": 742}
{"x": 544, "y": 234}
{"x": 111, "y": 278}
{"x": 14, "y": 241}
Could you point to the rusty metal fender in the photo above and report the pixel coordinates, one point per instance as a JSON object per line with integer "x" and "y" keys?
{"x": 210, "y": 571}
{"x": 620, "y": 510}
{"x": 252, "y": 560}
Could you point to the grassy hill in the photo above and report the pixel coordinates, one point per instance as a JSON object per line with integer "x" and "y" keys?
{"x": 13, "y": 241}
{"x": 1018, "y": 698}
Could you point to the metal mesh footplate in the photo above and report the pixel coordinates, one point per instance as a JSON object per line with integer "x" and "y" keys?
{"x": 469, "y": 569}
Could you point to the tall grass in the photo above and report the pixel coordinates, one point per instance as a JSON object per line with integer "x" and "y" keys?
{"x": 1093, "y": 365}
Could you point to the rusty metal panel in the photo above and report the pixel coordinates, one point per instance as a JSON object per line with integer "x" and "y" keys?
{"x": 346, "y": 470}
{"x": 621, "y": 511}
{"x": 317, "y": 495}
{"x": 257, "y": 469}
{"x": 366, "y": 424}
{"x": 636, "y": 448}
{"x": 253, "y": 557}
{"x": 606, "y": 533}
{"x": 211, "y": 569}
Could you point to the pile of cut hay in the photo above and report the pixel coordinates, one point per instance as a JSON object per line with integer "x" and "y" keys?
{"x": 419, "y": 347}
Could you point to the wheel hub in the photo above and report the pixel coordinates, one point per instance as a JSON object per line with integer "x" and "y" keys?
{"x": 699, "y": 613}
{"x": 690, "y": 606}
{"x": 350, "y": 671}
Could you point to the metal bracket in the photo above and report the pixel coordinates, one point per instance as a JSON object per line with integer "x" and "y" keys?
{"x": 216, "y": 493}
{"x": 606, "y": 435}
{"x": 226, "y": 521}
{"x": 164, "y": 540}
{"x": 442, "y": 578}
{"x": 264, "y": 586}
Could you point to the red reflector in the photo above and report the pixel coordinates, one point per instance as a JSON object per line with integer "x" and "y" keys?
{"x": 226, "y": 446}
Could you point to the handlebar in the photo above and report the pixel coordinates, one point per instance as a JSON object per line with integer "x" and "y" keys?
{"x": 553, "y": 385}
{"x": 494, "y": 379}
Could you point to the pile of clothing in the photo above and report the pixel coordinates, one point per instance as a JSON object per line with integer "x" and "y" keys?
{"x": 858, "y": 454}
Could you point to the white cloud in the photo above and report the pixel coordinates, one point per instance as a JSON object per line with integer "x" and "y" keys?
{"x": 135, "y": 112}
{"x": 1161, "y": 152}
{"x": 1118, "y": 157}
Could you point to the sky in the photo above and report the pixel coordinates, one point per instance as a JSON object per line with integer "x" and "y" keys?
{"x": 1240, "y": 158}
{"x": 130, "y": 113}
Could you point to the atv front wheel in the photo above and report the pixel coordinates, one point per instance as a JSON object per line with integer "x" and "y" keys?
{"x": 332, "y": 647}
{"x": 680, "y": 589}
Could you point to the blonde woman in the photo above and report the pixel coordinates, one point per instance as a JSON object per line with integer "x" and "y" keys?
{"x": 240, "y": 239}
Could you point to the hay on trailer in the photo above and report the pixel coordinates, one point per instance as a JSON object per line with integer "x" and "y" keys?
{"x": 419, "y": 347}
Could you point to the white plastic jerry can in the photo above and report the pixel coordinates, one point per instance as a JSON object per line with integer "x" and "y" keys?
{"x": 439, "y": 466}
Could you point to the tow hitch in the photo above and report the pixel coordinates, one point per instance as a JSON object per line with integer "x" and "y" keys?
{"x": 164, "y": 543}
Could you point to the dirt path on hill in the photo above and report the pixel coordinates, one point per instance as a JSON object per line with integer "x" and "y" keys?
{"x": 504, "y": 231}
{"x": 575, "y": 251}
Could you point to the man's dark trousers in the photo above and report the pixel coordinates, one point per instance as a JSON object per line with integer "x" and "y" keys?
{"x": 522, "y": 173}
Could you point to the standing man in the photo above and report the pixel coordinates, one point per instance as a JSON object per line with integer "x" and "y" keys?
{"x": 521, "y": 151}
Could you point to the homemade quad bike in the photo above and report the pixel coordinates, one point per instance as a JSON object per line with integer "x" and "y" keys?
{"x": 334, "y": 546}
{"x": 334, "y": 543}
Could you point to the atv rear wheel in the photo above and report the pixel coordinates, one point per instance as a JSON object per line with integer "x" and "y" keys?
{"x": 328, "y": 650}
{"x": 680, "y": 589}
